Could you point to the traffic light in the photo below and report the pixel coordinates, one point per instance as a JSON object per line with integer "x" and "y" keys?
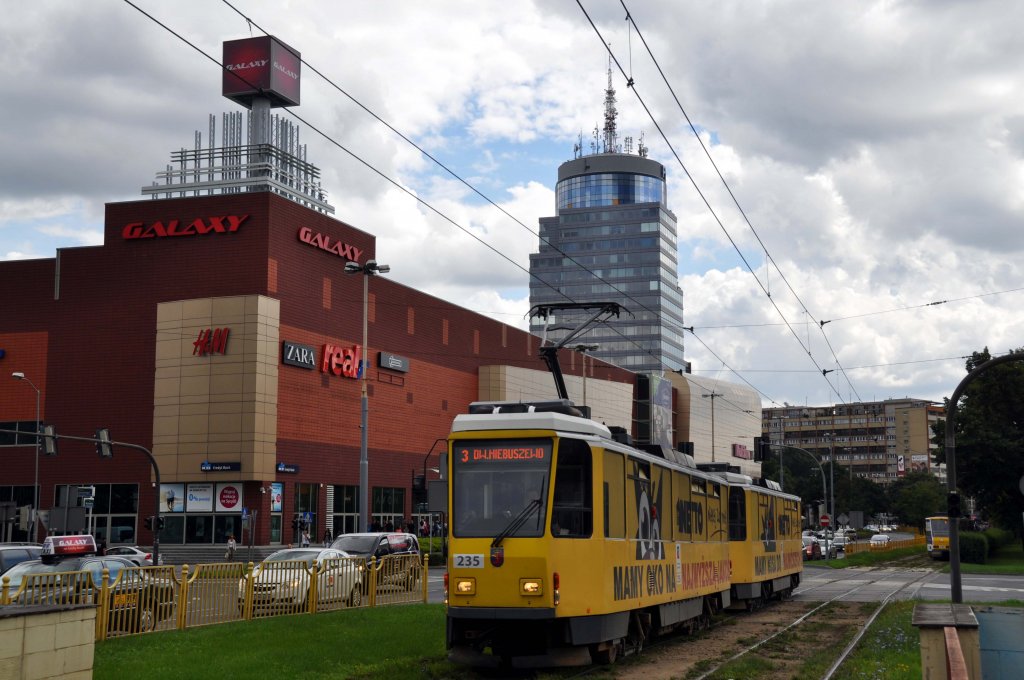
{"x": 149, "y": 523}
{"x": 160, "y": 524}
{"x": 762, "y": 449}
{"x": 48, "y": 442}
{"x": 295, "y": 524}
{"x": 103, "y": 446}
{"x": 953, "y": 504}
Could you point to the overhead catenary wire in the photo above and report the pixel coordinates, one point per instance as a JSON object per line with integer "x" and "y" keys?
{"x": 700, "y": 193}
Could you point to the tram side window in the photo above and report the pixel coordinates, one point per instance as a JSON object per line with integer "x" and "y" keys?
{"x": 572, "y": 508}
{"x": 737, "y": 514}
{"x": 614, "y": 495}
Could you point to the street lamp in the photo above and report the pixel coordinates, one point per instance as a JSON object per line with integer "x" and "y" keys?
{"x": 712, "y": 395}
{"x": 824, "y": 497}
{"x": 18, "y": 375}
{"x": 369, "y": 269}
{"x": 583, "y": 349}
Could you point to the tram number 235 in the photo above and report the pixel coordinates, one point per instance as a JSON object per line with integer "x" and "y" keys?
{"x": 469, "y": 561}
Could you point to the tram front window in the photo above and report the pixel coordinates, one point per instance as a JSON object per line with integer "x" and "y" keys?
{"x": 494, "y": 480}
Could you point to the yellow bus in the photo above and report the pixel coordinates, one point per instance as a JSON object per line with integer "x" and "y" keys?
{"x": 936, "y": 532}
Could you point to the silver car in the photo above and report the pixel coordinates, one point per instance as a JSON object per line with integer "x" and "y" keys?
{"x": 140, "y": 557}
{"x": 283, "y": 580}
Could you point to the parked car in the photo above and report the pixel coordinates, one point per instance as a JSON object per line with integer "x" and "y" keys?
{"x": 283, "y": 578}
{"x": 871, "y": 527}
{"x": 381, "y": 545}
{"x": 880, "y": 540}
{"x": 15, "y": 553}
{"x": 812, "y": 548}
{"x": 140, "y": 557}
{"x": 138, "y": 600}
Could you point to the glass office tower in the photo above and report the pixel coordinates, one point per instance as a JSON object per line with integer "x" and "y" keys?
{"x": 617, "y": 243}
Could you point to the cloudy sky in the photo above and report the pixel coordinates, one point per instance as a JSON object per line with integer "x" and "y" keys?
{"x": 875, "y": 148}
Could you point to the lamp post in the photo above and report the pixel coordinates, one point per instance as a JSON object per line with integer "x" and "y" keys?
{"x": 18, "y": 375}
{"x": 824, "y": 496}
{"x": 583, "y": 349}
{"x": 369, "y": 269}
{"x": 712, "y": 395}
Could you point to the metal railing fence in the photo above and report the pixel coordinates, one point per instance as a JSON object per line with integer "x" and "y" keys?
{"x": 148, "y": 599}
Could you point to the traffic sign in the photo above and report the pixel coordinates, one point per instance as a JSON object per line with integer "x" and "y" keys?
{"x": 825, "y": 520}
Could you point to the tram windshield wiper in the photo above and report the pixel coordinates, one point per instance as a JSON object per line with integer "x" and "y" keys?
{"x": 520, "y": 519}
{"x": 516, "y": 522}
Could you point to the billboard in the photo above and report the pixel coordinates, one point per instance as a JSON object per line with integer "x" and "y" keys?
{"x": 919, "y": 462}
{"x": 200, "y": 498}
{"x": 172, "y": 498}
{"x": 261, "y": 67}
{"x": 229, "y": 497}
{"x": 276, "y": 497}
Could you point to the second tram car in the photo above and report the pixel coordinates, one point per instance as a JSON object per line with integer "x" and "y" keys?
{"x": 567, "y": 545}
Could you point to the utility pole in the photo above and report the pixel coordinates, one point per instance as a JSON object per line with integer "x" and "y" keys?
{"x": 712, "y": 395}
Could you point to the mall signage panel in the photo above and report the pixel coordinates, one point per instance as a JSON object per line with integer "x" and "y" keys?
{"x": 173, "y": 496}
{"x": 341, "y": 361}
{"x": 741, "y": 451}
{"x": 199, "y": 498}
{"x": 294, "y": 354}
{"x": 287, "y": 467}
{"x": 276, "y": 496}
{"x": 211, "y": 341}
{"x": 261, "y": 66}
{"x": 393, "y": 362}
{"x": 328, "y": 244}
{"x": 208, "y": 466}
{"x": 199, "y": 226}
{"x": 229, "y": 497}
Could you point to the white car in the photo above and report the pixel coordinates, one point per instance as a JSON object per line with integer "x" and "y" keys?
{"x": 283, "y": 578}
{"x": 871, "y": 527}
{"x": 880, "y": 540}
{"x": 137, "y": 555}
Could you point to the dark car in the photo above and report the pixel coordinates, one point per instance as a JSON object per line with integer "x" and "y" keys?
{"x": 14, "y": 553}
{"x": 70, "y": 572}
{"x": 403, "y": 571}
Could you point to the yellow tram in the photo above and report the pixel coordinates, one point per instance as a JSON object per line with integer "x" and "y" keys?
{"x": 936, "y": 532}
{"x": 567, "y": 544}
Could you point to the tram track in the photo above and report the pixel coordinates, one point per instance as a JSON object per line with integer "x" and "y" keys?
{"x": 674, "y": 654}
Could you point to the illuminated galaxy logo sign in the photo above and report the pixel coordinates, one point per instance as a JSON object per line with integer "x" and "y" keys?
{"x": 261, "y": 67}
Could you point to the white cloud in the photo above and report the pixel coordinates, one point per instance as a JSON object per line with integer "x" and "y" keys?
{"x": 878, "y": 150}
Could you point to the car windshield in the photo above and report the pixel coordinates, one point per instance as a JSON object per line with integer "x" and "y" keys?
{"x": 307, "y": 556}
{"x": 357, "y": 544}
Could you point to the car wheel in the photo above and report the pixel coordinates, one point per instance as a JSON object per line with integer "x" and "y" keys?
{"x": 355, "y": 598}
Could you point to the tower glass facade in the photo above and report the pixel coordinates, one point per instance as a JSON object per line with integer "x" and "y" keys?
{"x": 614, "y": 240}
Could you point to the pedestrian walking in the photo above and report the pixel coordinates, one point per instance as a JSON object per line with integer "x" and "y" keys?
{"x": 305, "y": 538}
{"x": 327, "y": 538}
{"x": 229, "y": 555}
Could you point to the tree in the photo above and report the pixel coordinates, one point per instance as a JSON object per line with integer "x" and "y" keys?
{"x": 990, "y": 440}
{"x": 916, "y": 496}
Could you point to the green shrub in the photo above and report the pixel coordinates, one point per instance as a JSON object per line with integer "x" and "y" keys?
{"x": 997, "y": 538}
{"x": 973, "y": 547}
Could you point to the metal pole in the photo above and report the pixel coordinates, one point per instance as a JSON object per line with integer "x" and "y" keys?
{"x": 364, "y": 463}
{"x": 712, "y": 396}
{"x": 18, "y": 375}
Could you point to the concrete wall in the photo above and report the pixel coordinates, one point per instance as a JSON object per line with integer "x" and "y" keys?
{"x": 46, "y": 642}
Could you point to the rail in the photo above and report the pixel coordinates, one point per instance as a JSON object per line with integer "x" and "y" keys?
{"x": 149, "y": 599}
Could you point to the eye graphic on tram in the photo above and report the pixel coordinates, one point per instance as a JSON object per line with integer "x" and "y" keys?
{"x": 648, "y": 501}
{"x": 768, "y": 524}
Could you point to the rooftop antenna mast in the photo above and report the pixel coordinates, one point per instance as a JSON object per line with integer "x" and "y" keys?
{"x": 611, "y": 138}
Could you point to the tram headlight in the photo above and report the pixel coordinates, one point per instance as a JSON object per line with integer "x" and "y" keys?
{"x": 465, "y": 586}
{"x": 531, "y": 587}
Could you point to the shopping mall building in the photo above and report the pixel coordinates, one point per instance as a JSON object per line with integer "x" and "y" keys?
{"x": 217, "y": 328}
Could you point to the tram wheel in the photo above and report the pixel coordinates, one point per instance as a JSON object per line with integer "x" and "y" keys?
{"x": 607, "y": 655}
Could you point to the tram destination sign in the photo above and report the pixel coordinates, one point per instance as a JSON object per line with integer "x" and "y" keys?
{"x": 503, "y": 451}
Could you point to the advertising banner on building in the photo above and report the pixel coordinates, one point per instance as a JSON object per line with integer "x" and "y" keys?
{"x": 172, "y": 498}
{"x": 919, "y": 463}
{"x": 200, "y": 498}
{"x": 661, "y": 411}
{"x": 276, "y": 497}
{"x": 229, "y": 497}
